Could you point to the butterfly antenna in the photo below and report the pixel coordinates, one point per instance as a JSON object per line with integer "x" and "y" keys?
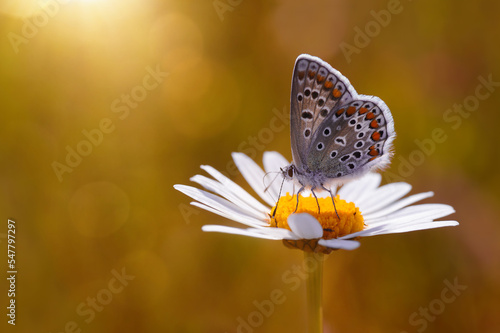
{"x": 279, "y": 197}
{"x": 333, "y": 201}
{"x": 263, "y": 180}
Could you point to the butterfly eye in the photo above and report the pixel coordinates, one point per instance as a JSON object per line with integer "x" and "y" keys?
{"x": 290, "y": 172}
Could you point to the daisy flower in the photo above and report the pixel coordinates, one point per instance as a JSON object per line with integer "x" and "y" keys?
{"x": 362, "y": 207}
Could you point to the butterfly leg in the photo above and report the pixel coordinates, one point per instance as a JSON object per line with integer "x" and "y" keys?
{"x": 331, "y": 196}
{"x": 279, "y": 197}
{"x": 315, "y": 197}
{"x": 300, "y": 190}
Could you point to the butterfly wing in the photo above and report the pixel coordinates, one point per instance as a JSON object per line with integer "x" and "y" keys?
{"x": 317, "y": 89}
{"x": 353, "y": 139}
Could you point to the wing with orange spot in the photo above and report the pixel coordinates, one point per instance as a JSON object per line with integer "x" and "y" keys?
{"x": 317, "y": 89}
{"x": 353, "y": 139}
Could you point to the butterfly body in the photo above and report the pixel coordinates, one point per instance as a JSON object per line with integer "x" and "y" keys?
{"x": 336, "y": 134}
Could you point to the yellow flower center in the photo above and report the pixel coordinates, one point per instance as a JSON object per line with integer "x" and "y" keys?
{"x": 350, "y": 220}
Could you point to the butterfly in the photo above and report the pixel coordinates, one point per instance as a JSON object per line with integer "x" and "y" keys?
{"x": 336, "y": 134}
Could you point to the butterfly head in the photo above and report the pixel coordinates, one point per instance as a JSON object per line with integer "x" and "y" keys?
{"x": 303, "y": 176}
{"x": 289, "y": 172}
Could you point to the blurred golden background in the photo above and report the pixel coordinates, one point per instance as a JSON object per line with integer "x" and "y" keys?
{"x": 107, "y": 104}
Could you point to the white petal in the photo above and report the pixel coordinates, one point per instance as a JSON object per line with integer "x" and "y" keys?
{"x": 211, "y": 200}
{"x": 235, "y": 188}
{"x": 398, "y": 205}
{"x": 353, "y": 190}
{"x": 413, "y": 213}
{"x": 305, "y": 226}
{"x": 384, "y": 196}
{"x": 237, "y": 231}
{"x": 233, "y": 216}
{"x": 369, "y": 184}
{"x": 274, "y": 161}
{"x": 363, "y": 233}
{"x": 339, "y": 244}
{"x": 423, "y": 226}
{"x": 223, "y": 191}
{"x": 280, "y": 232}
{"x": 407, "y": 227}
{"x": 254, "y": 175}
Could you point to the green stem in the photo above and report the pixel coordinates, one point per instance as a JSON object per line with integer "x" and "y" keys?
{"x": 314, "y": 265}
